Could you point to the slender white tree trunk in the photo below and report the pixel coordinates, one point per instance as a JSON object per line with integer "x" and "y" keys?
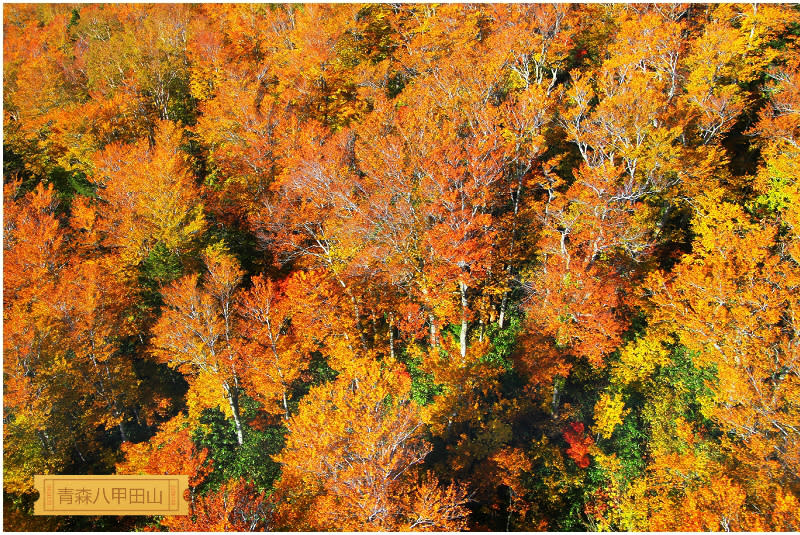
{"x": 233, "y": 402}
{"x": 463, "y": 288}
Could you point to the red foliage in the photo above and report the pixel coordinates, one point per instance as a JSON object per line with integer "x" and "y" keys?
{"x": 579, "y": 444}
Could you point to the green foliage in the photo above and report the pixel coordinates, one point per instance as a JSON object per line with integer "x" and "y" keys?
{"x": 690, "y": 384}
{"x": 629, "y": 441}
{"x": 423, "y": 386}
{"x": 320, "y": 371}
{"x": 74, "y": 18}
{"x": 676, "y": 390}
{"x": 14, "y": 166}
{"x": 251, "y": 461}
{"x": 503, "y": 341}
{"x": 67, "y": 184}
{"x": 160, "y": 268}
{"x": 396, "y": 83}
{"x": 777, "y": 197}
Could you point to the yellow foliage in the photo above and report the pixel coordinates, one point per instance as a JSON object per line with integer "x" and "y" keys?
{"x": 638, "y": 360}
{"x": 608, "y": 413}
{"x": 206, "y": 392}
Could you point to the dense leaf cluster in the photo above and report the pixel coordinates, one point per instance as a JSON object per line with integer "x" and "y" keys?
{"x": 406, "y": 267}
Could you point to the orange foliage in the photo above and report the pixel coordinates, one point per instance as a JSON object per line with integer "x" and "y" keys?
{"x": 355, "y": 471}
{"x": 519, "y": 202}
{"x": 151, "y": 196}
{"x": 169, "y": 451}
{"x": 235, "y": 506}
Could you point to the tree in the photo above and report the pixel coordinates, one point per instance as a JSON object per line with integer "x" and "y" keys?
{"x": 282, "y": 324}
{"x": 355, "y": 470}
{"x": 169, "y": 452}
{"x": 549, "y": 252}
{"x": 151, "y": 197}
{"x": 731, "y": 301}
{"x": 195, "y": 335}
{"x": 65, "y": 373}
{"x": 235, "y": 506}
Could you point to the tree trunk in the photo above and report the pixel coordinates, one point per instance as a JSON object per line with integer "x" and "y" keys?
{"x": 503, "y": 303}
{"x": 121, "y": 415}
{"x": 391, "y": 334}
{"x": 234, "y": 403}
{"x": 122, "y": 432}
{"x": 463, "y": 288}
{"x": 80, "y": 453}
{"x": 43, "y": 438}
{"x": 356, "y": 313}
{"x": 516, "y": 198}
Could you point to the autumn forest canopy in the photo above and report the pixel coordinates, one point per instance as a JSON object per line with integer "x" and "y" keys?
{"x": 406, "y": 267}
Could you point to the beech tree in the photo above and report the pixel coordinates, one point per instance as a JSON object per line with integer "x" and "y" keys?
{"x": 358, "y": 472}
{"x": 195, "y": 334}
{"x": 151, "y": 197}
